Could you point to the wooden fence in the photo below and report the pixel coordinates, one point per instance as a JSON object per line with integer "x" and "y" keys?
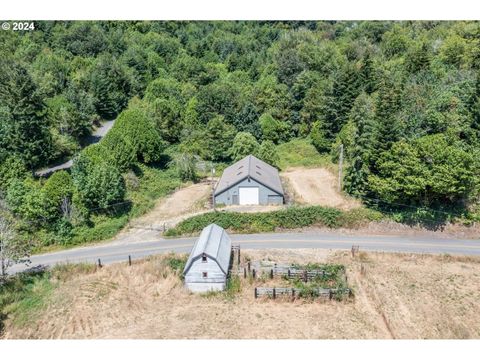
{"x": 296, "y": 292}
{"x": 281, "y": 271}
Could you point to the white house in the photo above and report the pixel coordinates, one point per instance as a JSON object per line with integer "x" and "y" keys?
{"x": 207, "y": 266}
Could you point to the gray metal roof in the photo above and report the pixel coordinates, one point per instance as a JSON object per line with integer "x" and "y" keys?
{"x": 215, "y": 243}
{"x": 251, "y": 167}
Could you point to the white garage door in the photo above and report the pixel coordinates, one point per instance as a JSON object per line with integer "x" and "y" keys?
{"x": 248, "y": 195}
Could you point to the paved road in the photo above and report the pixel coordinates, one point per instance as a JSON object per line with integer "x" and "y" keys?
{"x": 118, "y": 251}
{"x": 95, "y": 137}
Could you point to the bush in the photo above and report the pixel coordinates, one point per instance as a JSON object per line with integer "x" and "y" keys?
{"x": 185, "y": 164}
{"x": 10, "y": 169}
{"x": 318, "y": 137}
{"x": 291, "y": 218}
{"x": 99, "y": 183}
{"x": 300, "y": 152}
{"x": 244, "y": 144}
{"x": 134, "y": 128}
{"x": 274, "y": 130}
{"x": 268, "y": 153}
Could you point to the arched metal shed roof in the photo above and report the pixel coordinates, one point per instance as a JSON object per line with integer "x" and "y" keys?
{"x": 215, "y": 243}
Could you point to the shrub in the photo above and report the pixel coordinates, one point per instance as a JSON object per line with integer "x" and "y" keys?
{"x": 274, "y": 130}
{"x": 244, "y": 144}
{"x": 268, "y": 153}
{"x": 291, "y": 218}
{"x": 10, "y": 169}
{"x": 99, "y": 183}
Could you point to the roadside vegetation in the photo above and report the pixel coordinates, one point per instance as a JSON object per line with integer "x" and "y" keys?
{"x": 290, "y": 218}
{"x": 403, "y": 99}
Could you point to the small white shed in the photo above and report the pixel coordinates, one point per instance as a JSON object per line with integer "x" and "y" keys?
{"x": 207, "y": 266}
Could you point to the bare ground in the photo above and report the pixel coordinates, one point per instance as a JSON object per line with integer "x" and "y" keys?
{"x": 399, "y": 296}
{"x": 317, "y": 186}
{"x": 186, "y": 200}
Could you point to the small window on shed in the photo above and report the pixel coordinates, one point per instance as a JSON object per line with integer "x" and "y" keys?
{"x": 204, "y": 274}
{"x": 204, "y": 258}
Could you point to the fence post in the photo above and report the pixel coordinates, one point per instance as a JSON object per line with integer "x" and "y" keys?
{"x": 288, "y": 272}
{"x": 330, "y": 294}
{"x": 293, "y": 293}
{"x": 274, "y": 295}
{"x": 129, "y": 260}
{"x": 99, "y": 263}
{"x": 253, "y": 273}
{"x": 238, "y": 254}
{"x": 271, "y": 274}
{"x": 256, "y": 294}
{"x": 248, "y": 265}
{"x": 305, "y": 276}
{"x": 244, "y": 273}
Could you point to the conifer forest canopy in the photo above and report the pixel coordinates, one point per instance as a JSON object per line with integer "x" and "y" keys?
{"x": 403, "y": 98}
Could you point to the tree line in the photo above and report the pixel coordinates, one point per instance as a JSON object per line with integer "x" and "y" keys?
{"x": 402, "y": 97}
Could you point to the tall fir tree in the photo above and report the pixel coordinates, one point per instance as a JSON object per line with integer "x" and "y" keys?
{"x": 23, "y": 122}
{"x": 363, "y": 117}
{"x": 387, "y": 105}
{"x": 346, "y": 88}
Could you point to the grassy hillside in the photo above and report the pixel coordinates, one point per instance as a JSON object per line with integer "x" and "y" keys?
{"x": 300, "y": 152}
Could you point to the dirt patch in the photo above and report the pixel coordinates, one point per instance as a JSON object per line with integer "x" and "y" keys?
{"x": 185, "y": 201}
{"x": 316, "y": 186}
{"x": 396, "y": 296}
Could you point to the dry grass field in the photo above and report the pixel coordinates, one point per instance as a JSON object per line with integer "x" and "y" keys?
{"x": 397, "y": 296}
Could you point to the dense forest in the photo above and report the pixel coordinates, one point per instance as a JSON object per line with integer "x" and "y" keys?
{"x": 403, "y": 98}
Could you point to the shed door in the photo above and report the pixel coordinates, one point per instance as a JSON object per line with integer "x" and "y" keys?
{"x": 248, "y": 195}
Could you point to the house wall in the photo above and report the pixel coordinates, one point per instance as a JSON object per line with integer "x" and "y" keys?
{"x": 205, "y": 287}
{"x": 194, "y": 280}
{"x": 266, "y": 196}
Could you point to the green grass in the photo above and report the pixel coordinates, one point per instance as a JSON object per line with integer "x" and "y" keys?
{"x": 300, "y": 152}
{"x": 232, "y": 288}
{"x": 22, "y": 296}
{"x": 153, "y": 183}
{"x": 290, "y": 218}
{"x": 334, "y": 278}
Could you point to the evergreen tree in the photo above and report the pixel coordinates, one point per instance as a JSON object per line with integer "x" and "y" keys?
{"x": 23, "y": 125}
{"x": 247, "y": 120}
{"x": 387, "y": 105}
{"x": 363, "y": 117}
{"x": 368, "y": 77}
{"x": 346, "y": 88}
{"x": 111, "y": 86}
{"x": 418, "y": 58}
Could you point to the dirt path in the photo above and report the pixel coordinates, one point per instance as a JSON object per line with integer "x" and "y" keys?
{"x": 95, "y": 137}
{"x": 184, "y": 202}
{"x": 316, "y": 187}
